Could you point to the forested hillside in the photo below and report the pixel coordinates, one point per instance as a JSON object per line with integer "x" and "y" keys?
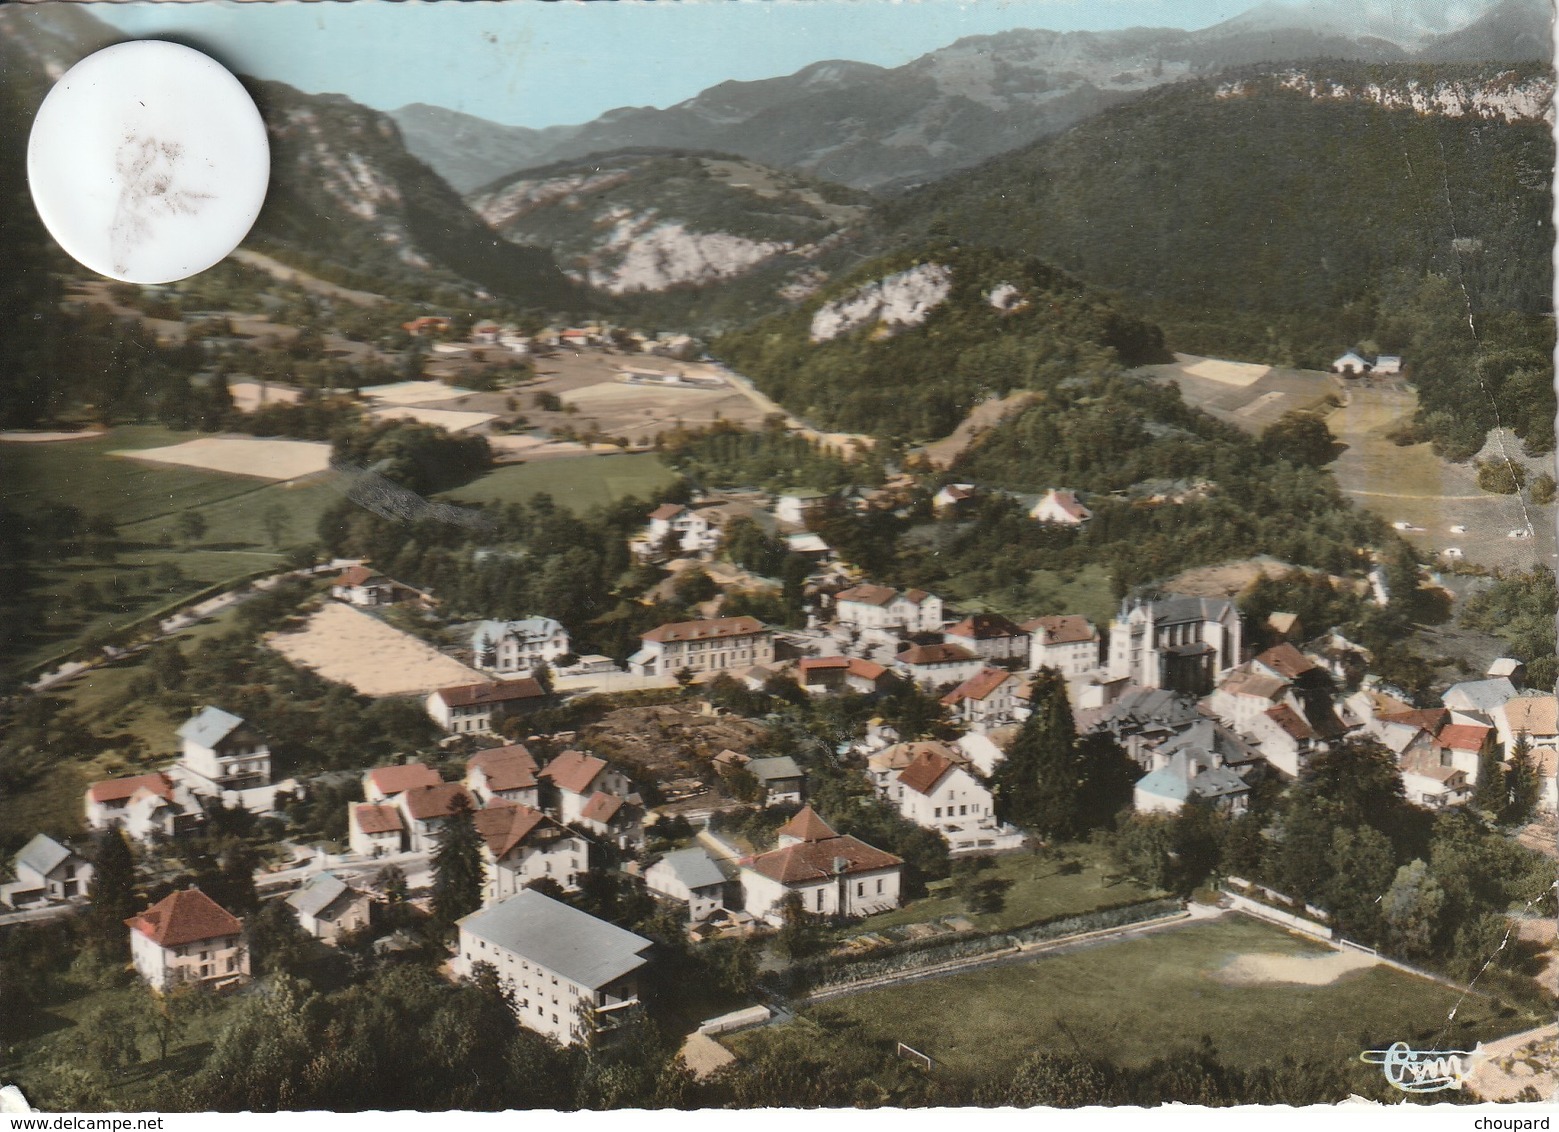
{"x": 906, "y": 345}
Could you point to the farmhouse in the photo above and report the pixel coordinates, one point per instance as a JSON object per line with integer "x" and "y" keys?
{"x": 425, "y": 809}
{"x": 142, "y": 805}
{"x": 358, "y": 585}
{"x": 879, "y": 607}
{"x": 682, "y": 527}
{"x": 1069, "y": 644}
{"x": 717, "y": 645}
{"x": 691, "y": 877}
{"x": 521, "y": 845}
{"x": 503, "y": 773}
{"x": 478, "y": 708}
{"x": 519, "y": 646}
{"x": 932, "y": 665}
{"x": 386, "y": 783}
{"x": 46, "y": 872}
{"x": 568, "y": 974}
{"x": 373, "y": 830}
{"x": 328, "y": 908}
{"x": 822, "y": 674}
{"x": 188, "y": 938}
{"x": 782, "y": 780}
{"x": 1061, "y": 508}
{"x": 833, "y": 875}
{"x": 990, "y": 636}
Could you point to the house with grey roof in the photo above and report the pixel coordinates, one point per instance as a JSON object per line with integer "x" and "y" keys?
{"x": 1176, "y": 642}
{"x": 1189, "y": 773}
{"x": 223, "y": 757}
{"x": 1476, "y": 701}
{"x": 691, "y": 877}
{"x": 520, "y": 646}
{"x": 327, "y": 907}
{"x": 568, "y": 974}
{"x": 781, "y": 779}
{"x": 46, "y": 873}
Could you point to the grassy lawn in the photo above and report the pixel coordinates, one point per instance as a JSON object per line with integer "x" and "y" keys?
{"x": 1087, "y": 591}
{"x": 578, "y": 484}
{"x": 1135, "y": 1000}
{"x": 1039, "y": 891}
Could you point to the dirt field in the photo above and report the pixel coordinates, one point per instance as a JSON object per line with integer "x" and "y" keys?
{"x": 250, "y": 395}
{"x": 1512, "y": 1064}
{"x": 413, "y": 392}
{"x": 981, "y": 418}
{"x": 1412, "y": 485}
{"x": 1248, "y": 396}
{"x": 1230, "y": 578}
{"x": 1266, "y": 968}
{"x": 242, "y": 456}
{"x": 668, "y": 740}
{"x": 450, "y": 420}
{"x": 350, "y": 647}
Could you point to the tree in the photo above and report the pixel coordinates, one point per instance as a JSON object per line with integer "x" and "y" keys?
{"x": 1040, "y": 783}
{"x": 1542, "y": 489}
{"x": 1521, "y": 783}
{"x": 1491, "y": 795}
{"x": 798, "y": 936}
{"x": 457, "y": 865}
{"x": 277, "y": 942}
{"x": 1411, "y": 910}
{"x": 112, "y": 893}
{"x": 275, "y": 520}
{"x": 191, "y": 526}
{"x": 1363, "y": 868}
{"x": 683, "y": 677}
{"x": 1501, "y": 477}
{"x": 1300, "y": 438}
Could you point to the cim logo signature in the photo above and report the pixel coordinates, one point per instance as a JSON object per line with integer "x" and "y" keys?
{"x": 1422, "y": 1071}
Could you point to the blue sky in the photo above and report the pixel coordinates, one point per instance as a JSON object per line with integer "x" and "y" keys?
{"x": 537, "y": 64}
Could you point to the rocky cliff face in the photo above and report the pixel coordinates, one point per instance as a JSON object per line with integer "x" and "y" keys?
{"x": 1507, "y": 96}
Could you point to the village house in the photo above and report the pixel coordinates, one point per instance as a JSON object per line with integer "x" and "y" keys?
{"x": 1184, "y": 776}
{"x": 329, "y": 908}
{"x": 954, "y": 499}
{"x": 1387, "y": 365}
{"x": 981, "y": 749}
{"x": 687, "y": 528}
{"x": 883, "y": 766}
{"x": 358, "y": 585}
{"x": 425, "y": 809}
{"x": 691, "y": 877}
{"x": 386, "y": 783}
{"x": 720, "y": 644}
{"x": 574, "y": 779}
{"x": 1245, "y": 694}
{"x": 223, "y": 757}
{"x": 1350, "y": 364}
{"x": 832, "y": 874}
{"x": 614, "y": 820}
{"x": 1181, "y": 643}
{"x": 143, "y": 804}
{"x": 1462, "y": 745}
{"x": 478, "y": 708}
{"x": 519, "y": 646}
{"x": 823, "y": 674}
{"x": 796, "y": 506}
{"x": 1510, "y": 668}
{"x": 1142, "y": 720}
{"x": 567, "y": 974}
{"x": 504, "y": 773}
{"x": 1069, "y": 644}
{"x": 46, "y": 873}
{"x": 188, "y": 939}
{"x": 989, "y": 698}
{"x": 1476, "y": 701}
{"x": 520, "y": 845}
{"x": 991, "y": 637}
{"x": 375, "y": 830}
{"x": 939, "y": 793}
{"x": 1286, "y": 740}
{"x": 870, "y": 607}
{"x": 1408, "y": 732}
{"x": 1431, "y": 783}
{"x": 1536, "y": 717}
{"x": 782, "y": 780}
{"x": 1061, "y": 508}
{"x": 931, "y": 666}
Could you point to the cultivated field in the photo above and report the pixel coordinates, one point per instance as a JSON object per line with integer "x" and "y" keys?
{"x": 1135, "y": 1000}
{"x": 1410, "y": 484}
{"x": 451, "y": 420}
{"x": 1249, "y": 397}
{"x": 350, "y": 647}
{"x": 413, "y": 392}
{"x": 242, "y": 456}
{"x": 578, "y": 484}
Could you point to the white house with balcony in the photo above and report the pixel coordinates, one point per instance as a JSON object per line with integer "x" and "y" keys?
{"x": 519, "y": 647}
{"x": 187, "y": 938}
{"x": 566, "y": 972}
{"x": 223, "y": 757}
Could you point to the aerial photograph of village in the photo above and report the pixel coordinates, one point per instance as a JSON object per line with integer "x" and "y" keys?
{"x": 736, "y": 556}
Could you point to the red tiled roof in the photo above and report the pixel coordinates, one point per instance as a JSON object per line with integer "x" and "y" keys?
{"x": 602, "y": 807}
{"x": 392, "y": 780}
{"x": 817, "y": 663}
{"x": 427, "y": 802}
{"x": 667, "y": 511}
{"x": 807, "y": 826}
{"x": 717, "y": 627}
{"x": 1426, "y": 719}
{"x": 935, "y": 654}
{"x": 1290, "y": 721}
{"x": 377, "y": 819}
{"x": 504, "y": 827}
{"x": 1062, "y": 630}
{"x": 867, "y": 594}
{"x": 356, "y": 576}
{"x": 574, "y": 771}
{"x": 866, "y": 669}
{"x": 978, "y": 686}
{"x": 985, "y": 627}
{"x": 188, "y": 916}
{"x": 915, "y": 597}
{"x": 122, "y": 789}
{"x": 1286, "y": 661}
{"x": 900, "y": 755}
{"x": 506, "y": 768}
{"x": 818, "y": 860}
{"x": 1463, "y": 736}
{"x": 927, "y": 769}
{"x": 505, "y": 691}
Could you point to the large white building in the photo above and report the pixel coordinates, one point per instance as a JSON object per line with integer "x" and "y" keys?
{"x": 1069, "y": 644}
{"x": 188, "y": 938}
{"x": 521, "y": 845}
{"x": 719, "y": 644}
{"x": 519, "y": 646}
{"x": 882, "y": 608}
{"x": 567, "y": 972}
{"x": 1181, "y": 643}
{"x": 479, "y": 708}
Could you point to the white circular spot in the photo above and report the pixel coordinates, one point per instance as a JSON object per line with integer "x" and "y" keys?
{"x": 148, "y": 162}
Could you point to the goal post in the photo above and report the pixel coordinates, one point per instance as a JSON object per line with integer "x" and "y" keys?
{"x": 909, "y": 1053}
